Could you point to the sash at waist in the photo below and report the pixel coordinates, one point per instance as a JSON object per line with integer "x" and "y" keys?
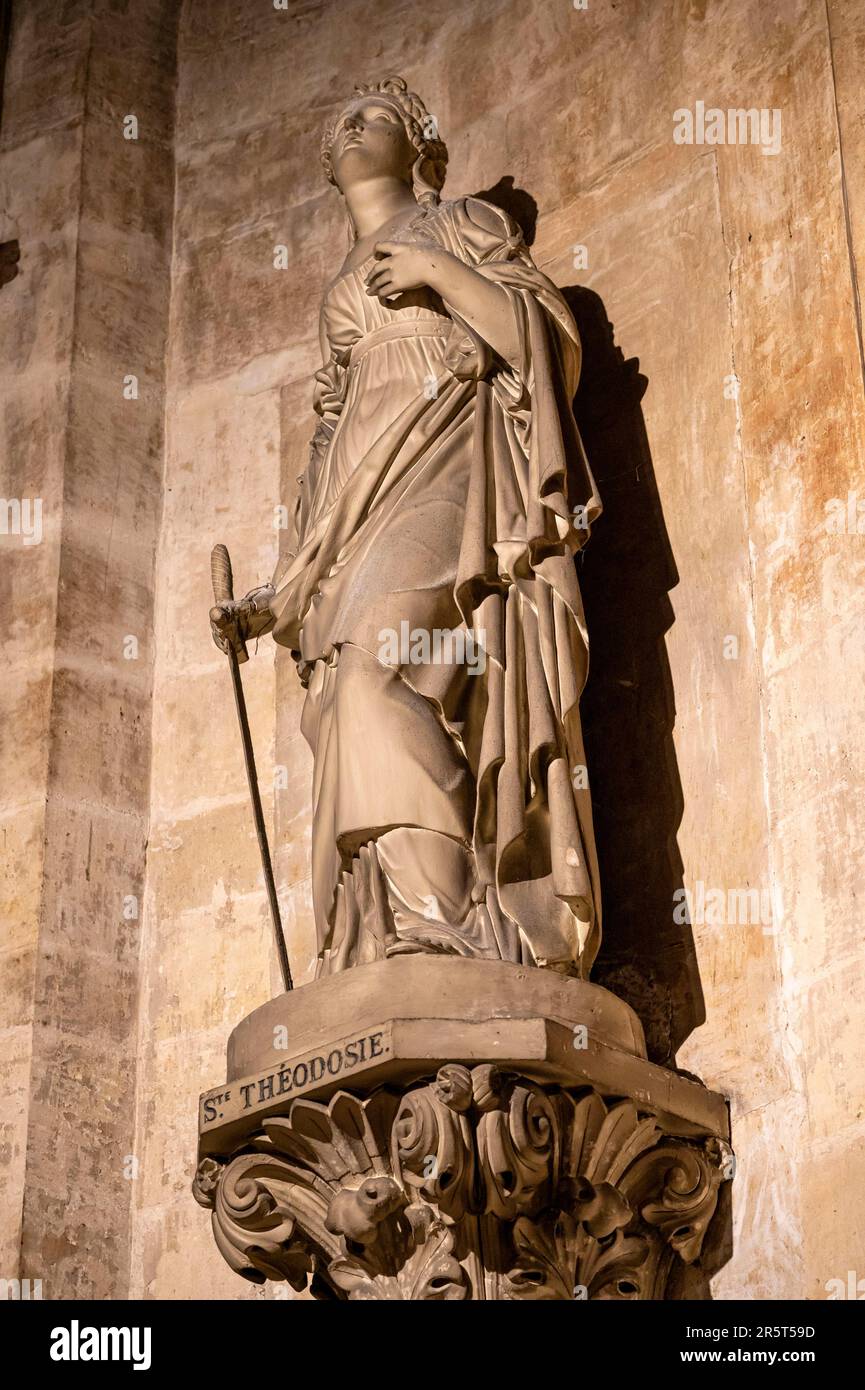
{"x": 417, "y": 328}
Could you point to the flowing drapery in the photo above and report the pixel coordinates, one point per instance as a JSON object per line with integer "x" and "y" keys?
{"x": 446, "y": 491}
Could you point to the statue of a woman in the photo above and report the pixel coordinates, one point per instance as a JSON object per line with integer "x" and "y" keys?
{"x": 430, "y": 597}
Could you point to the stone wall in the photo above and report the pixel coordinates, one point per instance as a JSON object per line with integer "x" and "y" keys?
{"x": 722, "y": 404}
{"x": 92, "y": 211}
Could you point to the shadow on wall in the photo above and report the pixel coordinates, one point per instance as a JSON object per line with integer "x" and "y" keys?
{"x": 628, "y": 707}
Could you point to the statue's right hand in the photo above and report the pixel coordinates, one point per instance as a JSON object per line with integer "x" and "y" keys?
{"x": 229, "y": 624}
{"x": 234, "y": 621}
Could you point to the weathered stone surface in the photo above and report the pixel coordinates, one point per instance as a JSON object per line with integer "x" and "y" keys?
{"x": 92, "y": 212}
{"x": 430, "y": 987}
{"x": 709, "y": 262}
{"x": 690, "y": 249}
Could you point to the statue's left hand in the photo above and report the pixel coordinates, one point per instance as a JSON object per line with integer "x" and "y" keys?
{"x": 406, "y": 265}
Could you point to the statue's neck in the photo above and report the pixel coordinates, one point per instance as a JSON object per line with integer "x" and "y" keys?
{"x": 375, "y": 202}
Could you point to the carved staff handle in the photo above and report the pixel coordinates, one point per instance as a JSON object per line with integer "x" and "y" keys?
{"x": 223, "y": 589}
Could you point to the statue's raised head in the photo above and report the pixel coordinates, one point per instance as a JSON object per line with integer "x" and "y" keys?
{"x": 386, "y": 129}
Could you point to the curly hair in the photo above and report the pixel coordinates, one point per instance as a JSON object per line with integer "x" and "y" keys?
{"x": 429, "y": 171}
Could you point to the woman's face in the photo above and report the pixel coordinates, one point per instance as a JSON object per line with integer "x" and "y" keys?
{"x": 369, "y": 141}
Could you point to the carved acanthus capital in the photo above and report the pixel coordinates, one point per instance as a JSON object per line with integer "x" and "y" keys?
{"x": 482, "y": 1184}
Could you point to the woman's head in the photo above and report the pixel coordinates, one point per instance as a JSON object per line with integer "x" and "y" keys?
{"x": 385, "y": 129}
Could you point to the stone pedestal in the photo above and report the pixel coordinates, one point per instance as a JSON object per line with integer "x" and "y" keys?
{"x": 439, "y": 1128}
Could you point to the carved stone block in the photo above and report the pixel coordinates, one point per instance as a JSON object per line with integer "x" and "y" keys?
{"x": 534, "y": 1173}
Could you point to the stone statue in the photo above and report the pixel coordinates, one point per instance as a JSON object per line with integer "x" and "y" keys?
{"x": 447, "y": 1122}
{"x": 430, "y": 597}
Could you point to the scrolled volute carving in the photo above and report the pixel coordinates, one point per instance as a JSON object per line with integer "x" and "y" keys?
{"x": 480, "y": 1184}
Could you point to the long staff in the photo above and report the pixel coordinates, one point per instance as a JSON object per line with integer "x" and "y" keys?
{"x": 223, "y": 592}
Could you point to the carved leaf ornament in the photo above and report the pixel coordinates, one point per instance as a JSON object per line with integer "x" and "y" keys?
{"x": 481, "y": 1184}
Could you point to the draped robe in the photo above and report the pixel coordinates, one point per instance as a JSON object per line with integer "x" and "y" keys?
{"x": 446, "y": 495}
